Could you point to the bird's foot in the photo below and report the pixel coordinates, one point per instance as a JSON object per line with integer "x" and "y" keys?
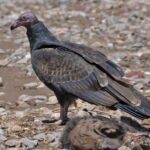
{"x": 64, "y": 121}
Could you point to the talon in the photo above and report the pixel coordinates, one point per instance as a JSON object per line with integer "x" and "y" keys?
{"x": 64, "y": 121}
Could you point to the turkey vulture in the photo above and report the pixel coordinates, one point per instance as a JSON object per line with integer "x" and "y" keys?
{"x": 76, "y": 71}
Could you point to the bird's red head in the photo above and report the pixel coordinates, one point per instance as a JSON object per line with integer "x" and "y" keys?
{"x": 26, "y": 19}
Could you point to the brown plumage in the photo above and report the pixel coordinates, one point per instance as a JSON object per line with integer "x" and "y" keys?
{"x": 100, "y": 133}
{"x": 76, "y": 71}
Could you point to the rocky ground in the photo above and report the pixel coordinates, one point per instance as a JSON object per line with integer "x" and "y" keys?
{"x": 118, "y": 28}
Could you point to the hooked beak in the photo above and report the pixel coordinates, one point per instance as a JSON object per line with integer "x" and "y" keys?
{"x": 15, "y": 24}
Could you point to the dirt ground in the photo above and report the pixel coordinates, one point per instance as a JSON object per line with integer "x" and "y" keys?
{"x": 120, "y": 29}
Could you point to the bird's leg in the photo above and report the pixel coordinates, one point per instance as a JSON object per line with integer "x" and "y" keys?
{"x": 63, "y": 113}
{"x": 64, "y": 101}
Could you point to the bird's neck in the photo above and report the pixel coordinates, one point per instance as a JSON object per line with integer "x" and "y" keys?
{"x": 39, "y": 36}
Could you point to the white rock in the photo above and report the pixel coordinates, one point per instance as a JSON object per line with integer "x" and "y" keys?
{"x": 2, "y": 93}
{"x": 2, "y": 138}
{"x": 89, "y": 106}
{"x": 52, "y": 100}
{"x": 13, "y": 148}
{"x": 32, "y": 85}
{"x": 39, "y": 137}
{"x": 147, "y": 91}
{"x": 28, "y": 97}
{"x": 20, "y": 114}
{"x": 4, "y": 62}
{"x": 41, "y": 85}
{"x": 1, "y": 131}
{"x": 124, "y": 148}
{"x": 110, "y": 45}
{"x": 13, "y": 143}
{"x": 30, "y": 144}
{"x": 50, "y": 138}
{"x": 2, "y": 51}
{"x": 83, "y": 113}
{"x": 15, "y": 128}
{"x": 45, "y": 111}
{"x": 2, "y": 110}
{"x": 55, "y": 115}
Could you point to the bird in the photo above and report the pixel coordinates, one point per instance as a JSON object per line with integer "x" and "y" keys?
{"x": 75, "y": 71}
{"x": 101, "y": 133}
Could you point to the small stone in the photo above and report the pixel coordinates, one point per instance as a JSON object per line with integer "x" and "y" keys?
{"x": 52, "y": 100}
{"x": 2, "y": 138}
{"x": 89, "y": 106}
{"x": 139, "y": 86}
{"x": 110, "y": 45}
{"x": 124, "y": 148}
{"x": 16, "y": 128}
{"x": 135, "y": 74}
{"x": 20, "y": 114}
{"x": 1, "y": 131}
{"x": 32, "y": 85}
{"x": 55, "y": 115}
{"x": 50, "y": 138}
{"x": 57, "y": 135}
{"x": 4, "y": 62}
{"x": 45, "y": 111}
{"x": 83, "y": 113}
{"x": 21, "y": 104}
{"x": 147, "y": 74}
{"x": 1, "y": 82}
{"x": 13, "y": 143}
{"x": 39, "y": 137}
{"x": 41, "y": 85}
{"x": 28, "y": 97}
{"x": 2, "y": 93}
{"x": 147, "y": 91}
{"x": 2, "y": 51}
{"x": 14, "y": 148}
{"x": 30, "y": 144}
{"x": 2, "y": 110}
{"x": 26, "y": 100}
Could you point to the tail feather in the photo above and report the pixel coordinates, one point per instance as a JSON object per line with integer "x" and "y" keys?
{"x": 142, "y": 111}
{"x": 132, "y": 111}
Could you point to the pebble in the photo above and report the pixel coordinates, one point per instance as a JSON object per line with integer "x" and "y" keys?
{"x": 1, "y": 82}
{"x": 20, "y": 114}
{"x": 29, "y": 144}
{"x": 50, "y": 138}
{"x": 2, "y": 110}
{"x": 55, "y": 115}
{"x": 2, "y": 51}
{"x": 45, "y": 111}
{"x": 110, "y": 46}
{"x": 13, "y": 143}
{"x": 4, "y": 62}
{"x": 113, "y": 31}
{"x": 32, "y": 85}
{"x": 16, "y": 128}
{"x": 14, "y": 148}
{"x": 2, "y": 138}
{"x": 28, "y": 97}
{"x": 22, "y": 104}
{"x": 52, "y": 100}
{"x": 39, "y": 137}
{"x": 2, "y": 93}
{"x": 89, "y": 106}
{"x": 1, "y": 131}
{"x": 124, "y": 148}
{"x": 83, "y": 113}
